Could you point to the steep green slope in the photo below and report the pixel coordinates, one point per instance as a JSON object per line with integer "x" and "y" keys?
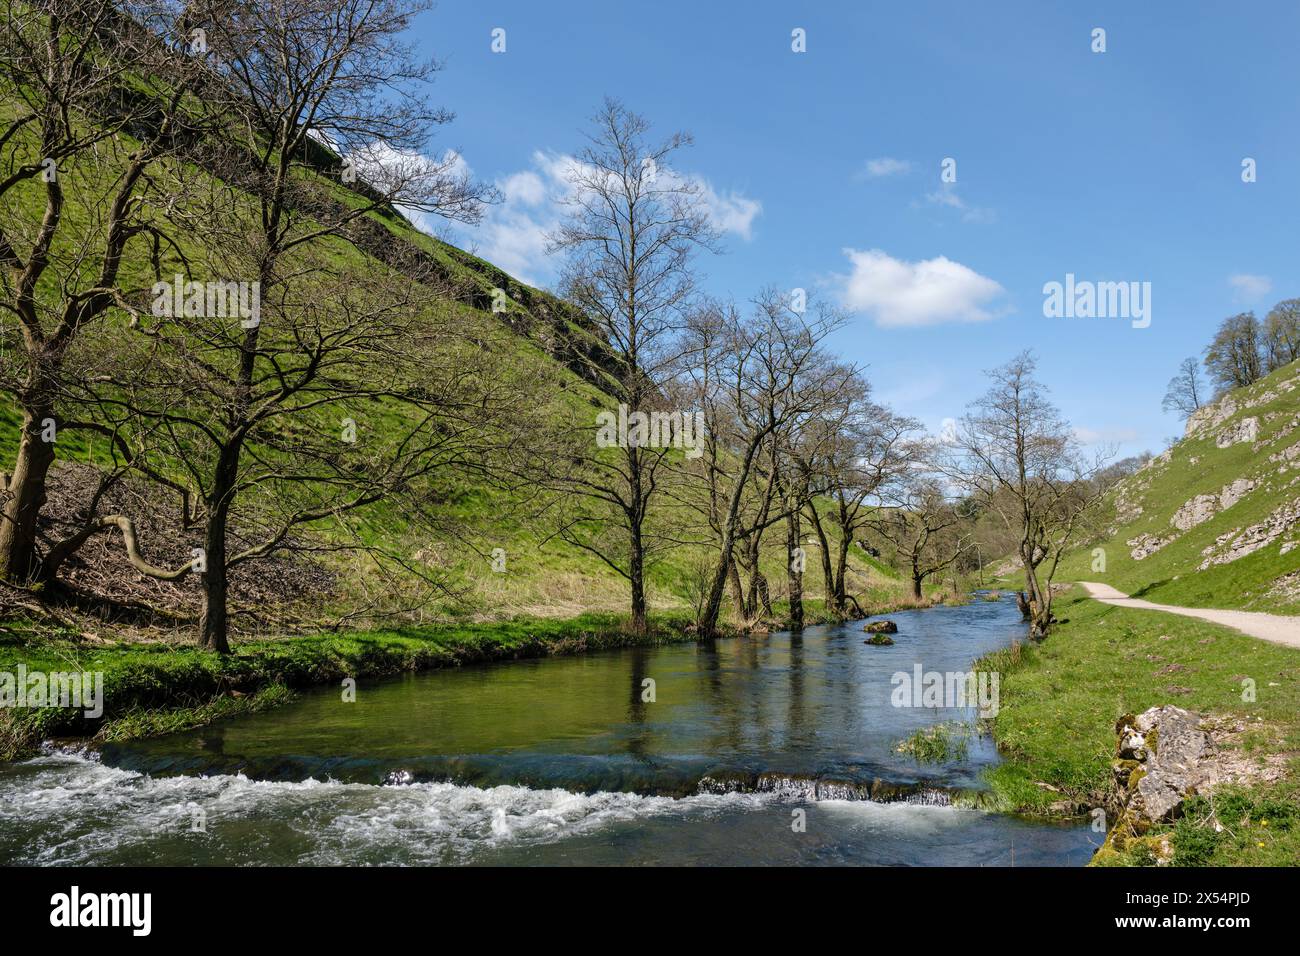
{"x": 1214, "y": 521}
{"x": 546, "y": 340}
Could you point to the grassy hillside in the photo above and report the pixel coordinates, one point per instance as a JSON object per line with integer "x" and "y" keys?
{"x": 1215, "y": 520}
{"x": 543, "y": 339}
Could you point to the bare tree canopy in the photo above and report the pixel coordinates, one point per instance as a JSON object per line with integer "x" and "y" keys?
{"x": 761, "y": 379}
{"x": 1187, "y": 390}
{"x": 631, "y": 232}
{"x": 923, "y": 524}
{"x": 241, "y": 362}
{"x": 1015, "y": 454}
{"x": 100, "y": 101}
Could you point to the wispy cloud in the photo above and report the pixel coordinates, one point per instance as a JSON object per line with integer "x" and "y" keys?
{"x": 1249, "y": 288}
{"x": 885, "y": 166}
{"x": 946, "y": 195}
{"x": 896, "y": 293}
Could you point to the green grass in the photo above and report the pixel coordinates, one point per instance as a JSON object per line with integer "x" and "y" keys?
{"x": 1059, "y": 701}
{"x": 937, "y": 744}
{"x": 1255, "y": 828}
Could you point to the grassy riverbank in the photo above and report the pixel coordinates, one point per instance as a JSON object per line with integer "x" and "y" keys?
{"x": 1060, "y": 701}
{"x": 154, "y": 688}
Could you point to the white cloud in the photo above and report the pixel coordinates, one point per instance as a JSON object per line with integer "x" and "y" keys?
{"x": 513, "y": 233}
{"x": 947, "y": 196}
{"x": 515, "y": 241}
{"x": 525, "y": 188}
{"x": 885, "y": 166}
{"x": 1249, "y": 288}
{"x": 897, "y": 293}
{"x": 732, "y": 213}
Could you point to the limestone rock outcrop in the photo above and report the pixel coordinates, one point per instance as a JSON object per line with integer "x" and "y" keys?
{"x": 1204, "y": 507}
{"x": 1160, "y": 762}
{"x": 1145, "y": 545}
{"x": 1245, "y": 430}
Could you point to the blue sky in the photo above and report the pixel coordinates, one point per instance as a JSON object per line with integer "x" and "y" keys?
{"x": 824, "y": 168}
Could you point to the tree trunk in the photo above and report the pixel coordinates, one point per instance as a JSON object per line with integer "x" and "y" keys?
{"x": 1040, "y": 604}
{"x": 723, "y": 575}
{"x": 841, "y": 570}
{"x": 737, "y": 593}
{"x": 726, "y": 561}
{"x": 759, "y": 603}
{"x": 764, "y": 595}
{"x": 794, "y": 573}
{"x": 828, "y": 574}
{"x": 636, "y": 542}
{"x": 26, "y": 487}
{"x": 1022, "y": 604}
{"x": 636, "y": 575}
{"x": 751, "y": 589}
{"x": 1041, "y": 621}
{"x": 916, "y": 585}
{"x": 214, "y": 622}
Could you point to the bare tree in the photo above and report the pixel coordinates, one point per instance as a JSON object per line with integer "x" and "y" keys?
{"x": 802, "y": 467}
{"x": 1187, "y": 391}
{"x": 873, "y": 449}
{"x": 759, "y": 380}
{"x": 251, "y": 397}
{"x": 924, "y": 527}
{"x": 632, "y": 228}
{"x": 366, "y": 389}
{"x": 305, "y": 71}
{"x": 99, "y": 96}
{"x": 1017, "y": 456}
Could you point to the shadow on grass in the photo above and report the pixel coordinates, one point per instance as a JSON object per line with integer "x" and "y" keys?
{"x": 1148, "y": 588}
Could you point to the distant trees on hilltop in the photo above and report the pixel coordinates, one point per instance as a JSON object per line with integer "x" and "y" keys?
{"x": 1243, "y": 350}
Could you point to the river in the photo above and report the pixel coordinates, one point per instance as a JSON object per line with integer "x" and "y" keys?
{"x": 761, "y": 750}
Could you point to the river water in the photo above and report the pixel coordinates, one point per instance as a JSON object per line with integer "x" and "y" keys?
{"x": 763, "y": 750}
